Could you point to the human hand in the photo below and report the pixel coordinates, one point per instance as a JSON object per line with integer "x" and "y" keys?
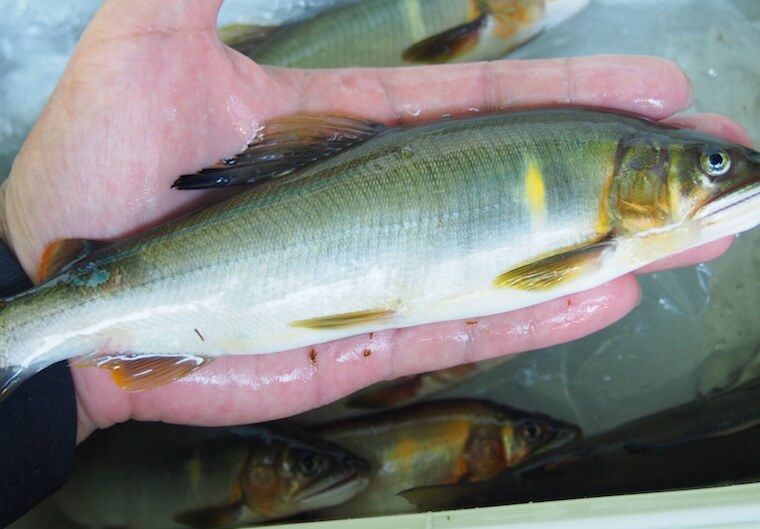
{"x": 150, "y": 93}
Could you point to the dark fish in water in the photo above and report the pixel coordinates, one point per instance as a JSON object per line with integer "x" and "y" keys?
{"x": 351, "y": 227}
{"x": 402, "y": 32}
{"x": 708, "y": 442}
{"x": 412, "y": 388}
{"x": 149, "y": 475}
{"x": 447, "y": 441}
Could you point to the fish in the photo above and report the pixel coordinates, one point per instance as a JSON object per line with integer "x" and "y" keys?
{"x": 146, "y": 475}
{"x": 710, "y": 441}
{"x": 412, "y": 388}
{"x": 377, "y": 33}
{"x": 347, "y": 226}
{"x": 438, "y": 442}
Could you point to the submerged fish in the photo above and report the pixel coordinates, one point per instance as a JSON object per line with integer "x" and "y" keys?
{"x": 707, "y": 442}
{"x": 438, "y": 442}
{"x": 141, "y": 475}
{"x": 402, "y": 32}
{"x": 351, "y": 227}
{"x": 412, "y": 388}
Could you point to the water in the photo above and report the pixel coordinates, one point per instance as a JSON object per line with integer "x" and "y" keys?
{"x": 696, "y": 329}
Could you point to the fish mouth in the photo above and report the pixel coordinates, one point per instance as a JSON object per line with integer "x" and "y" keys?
{"x": 733, "y": 211}
{"x": 563, "y": 437}
{"x": 719, "y": 204}
{"x": 333, "y": 491}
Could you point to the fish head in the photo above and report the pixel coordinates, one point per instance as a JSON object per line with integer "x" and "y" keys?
{"x": 684, "y": 179}
{"x": 534, "y": 434}
{"x": 295, "y": 475}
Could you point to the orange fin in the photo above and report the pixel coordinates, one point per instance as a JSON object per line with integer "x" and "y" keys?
{"x": 282, "y": 146}
{"x": 386, "y": 395}
{"x": 136, "y": 372}
{"x": 553, "y": 270}
{"x": 62, "y": 253}
{"x": 446, "y": 45}
{"x": 347, "y": 319}
{"x": 245, "y": 37}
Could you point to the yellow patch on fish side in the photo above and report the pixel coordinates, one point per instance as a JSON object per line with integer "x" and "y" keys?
{"x": 416, "y": 20}
{"x": 475, "y": 10}
{"x": 535, "y": 192}
{"x": 346, "y": 319}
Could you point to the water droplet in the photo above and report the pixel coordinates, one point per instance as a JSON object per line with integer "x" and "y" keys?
{"x": 712, "y": 72}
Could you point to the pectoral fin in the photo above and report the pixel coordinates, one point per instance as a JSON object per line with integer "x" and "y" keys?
{"x": 447, "y": 45}
{"x": 136, "y": 372}
{"x": 556, "y": 269}
{"x": 284, "y": 145}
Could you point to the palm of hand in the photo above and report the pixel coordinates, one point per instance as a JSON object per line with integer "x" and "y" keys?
{"x": 151, "y": 93}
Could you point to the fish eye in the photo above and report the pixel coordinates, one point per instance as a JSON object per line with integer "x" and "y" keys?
{"x": 532, "y": 429}
{"x": 309, "y": 464}
{"x": 715, "y": 162}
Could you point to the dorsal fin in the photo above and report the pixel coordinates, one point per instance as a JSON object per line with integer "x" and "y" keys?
{"x": 284, "y": 145}
{"x": 62, "y": 253}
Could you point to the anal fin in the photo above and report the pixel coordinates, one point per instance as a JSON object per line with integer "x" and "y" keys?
{"x": 556, "y": 269}
{"x": 64, "y": 253}
{"x": 282, "y": 146}
{"x": 136, "y": 372}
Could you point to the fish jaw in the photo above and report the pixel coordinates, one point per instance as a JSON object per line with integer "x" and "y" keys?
{"x": 334, "y": 491}
{"x": 733, "y": 212}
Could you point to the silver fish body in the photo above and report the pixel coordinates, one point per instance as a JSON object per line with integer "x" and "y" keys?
{"x": 381, "y": 33}
{"x": 412, "y": 225}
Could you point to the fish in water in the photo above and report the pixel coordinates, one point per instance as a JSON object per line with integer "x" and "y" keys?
{"x": 402, "y": 32}
{"x": 350, "y": 227}
{"x": 412, "y": 388}
{"x": 146, "y": 475}
{"x": 708, "y": 442}
{"x": 438, "y": 442}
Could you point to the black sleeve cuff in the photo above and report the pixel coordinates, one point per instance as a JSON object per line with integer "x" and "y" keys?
{"x": 38, "y": 424}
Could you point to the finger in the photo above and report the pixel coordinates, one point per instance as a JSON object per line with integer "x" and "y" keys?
{"x": 642, "y": 85}
{"x": 721, "y": 127}
{"x": 254, "y": 388}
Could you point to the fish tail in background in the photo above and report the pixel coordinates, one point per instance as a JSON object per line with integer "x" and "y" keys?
{"x": 284, "y": 145}
{"x": 245, "y": 37}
